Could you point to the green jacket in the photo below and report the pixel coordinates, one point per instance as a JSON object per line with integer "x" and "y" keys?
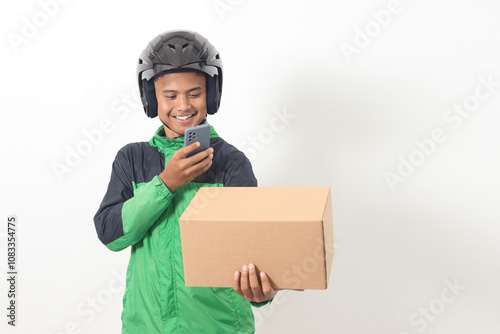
{"x": 139, "y": 211}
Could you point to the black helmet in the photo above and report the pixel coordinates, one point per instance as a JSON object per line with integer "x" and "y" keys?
{"x": 179, "y": 51}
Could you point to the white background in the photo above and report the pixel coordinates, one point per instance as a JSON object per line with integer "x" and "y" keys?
{"x": 356, "y": 116}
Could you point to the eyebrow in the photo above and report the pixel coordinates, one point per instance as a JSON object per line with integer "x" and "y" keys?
{"x": 174, "y": 91}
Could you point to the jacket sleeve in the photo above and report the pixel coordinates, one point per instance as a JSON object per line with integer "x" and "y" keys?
{"x": 125, "y": 214}
{"x": 240, "y": 173}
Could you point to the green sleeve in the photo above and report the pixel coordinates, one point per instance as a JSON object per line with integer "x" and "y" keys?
{"x": 141, "y": 211}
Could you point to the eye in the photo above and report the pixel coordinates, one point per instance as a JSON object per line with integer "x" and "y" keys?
{"x": 194, "y": 95}
{"x": 170, "y": 97}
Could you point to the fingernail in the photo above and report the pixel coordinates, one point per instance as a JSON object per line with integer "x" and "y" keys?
{"x": 262, "y": 275}
{"x": 245, "y": 268}
{"x": 251, "y": 266}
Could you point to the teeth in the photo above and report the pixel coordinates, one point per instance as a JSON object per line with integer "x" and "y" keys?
{"x": 183, "y": 117}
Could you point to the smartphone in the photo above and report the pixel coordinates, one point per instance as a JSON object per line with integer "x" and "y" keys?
{"x": 201, "y": 134}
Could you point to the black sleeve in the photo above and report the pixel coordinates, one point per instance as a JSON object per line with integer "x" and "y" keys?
{"x": 240, "y": 173}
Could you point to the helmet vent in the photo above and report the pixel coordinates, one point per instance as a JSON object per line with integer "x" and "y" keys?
{"x": 173, "y": 47}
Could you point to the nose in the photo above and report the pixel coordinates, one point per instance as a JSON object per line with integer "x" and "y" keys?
{"x": 182, "y": 103}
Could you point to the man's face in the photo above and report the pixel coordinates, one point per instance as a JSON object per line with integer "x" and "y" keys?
{"x": 182, "y": 101}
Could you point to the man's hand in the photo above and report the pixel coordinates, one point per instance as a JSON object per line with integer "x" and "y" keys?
{"x": 251, "y": 286}
{"x": 180, "y": 170}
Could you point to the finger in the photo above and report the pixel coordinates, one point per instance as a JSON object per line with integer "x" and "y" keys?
{"x": 267, "y": 288}
{"x": 199, "y": 167}
{"x": 236, "y": 283}
{"x": 190, "y": 148}
{"x": 207, "y": 165}
{"x": 200, "y": 156}
{"x": 204, "y": 160}
{"x": 255, "y": 283}
{"x": 245, "y": 288}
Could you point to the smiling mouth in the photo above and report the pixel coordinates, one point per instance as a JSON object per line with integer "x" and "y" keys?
{"x": 183, "y": 118}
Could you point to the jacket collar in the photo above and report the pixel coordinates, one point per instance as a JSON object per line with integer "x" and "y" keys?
{"x": 162, "y": 142}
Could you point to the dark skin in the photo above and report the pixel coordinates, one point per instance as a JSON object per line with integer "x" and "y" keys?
{"x": 180, "y": 170}
{"x": 182, "y": 104}
{"x": 253, "y": 286}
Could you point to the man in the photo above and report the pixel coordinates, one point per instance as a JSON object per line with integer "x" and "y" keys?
{"x": 152, "y": 183}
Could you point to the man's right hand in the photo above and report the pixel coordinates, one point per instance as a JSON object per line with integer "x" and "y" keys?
{"x": 180, "y": 170}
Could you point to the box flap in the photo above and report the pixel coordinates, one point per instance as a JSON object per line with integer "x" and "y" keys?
{"x": 257, "y": 204}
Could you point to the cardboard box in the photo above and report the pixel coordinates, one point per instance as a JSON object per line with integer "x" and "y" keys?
{"x": 286, "y": 232}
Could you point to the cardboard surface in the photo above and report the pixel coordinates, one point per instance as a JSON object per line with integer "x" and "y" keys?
{"x": 285, "y": 232}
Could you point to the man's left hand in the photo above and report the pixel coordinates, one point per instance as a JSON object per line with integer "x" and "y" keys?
{"x": 252, "y": 286}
